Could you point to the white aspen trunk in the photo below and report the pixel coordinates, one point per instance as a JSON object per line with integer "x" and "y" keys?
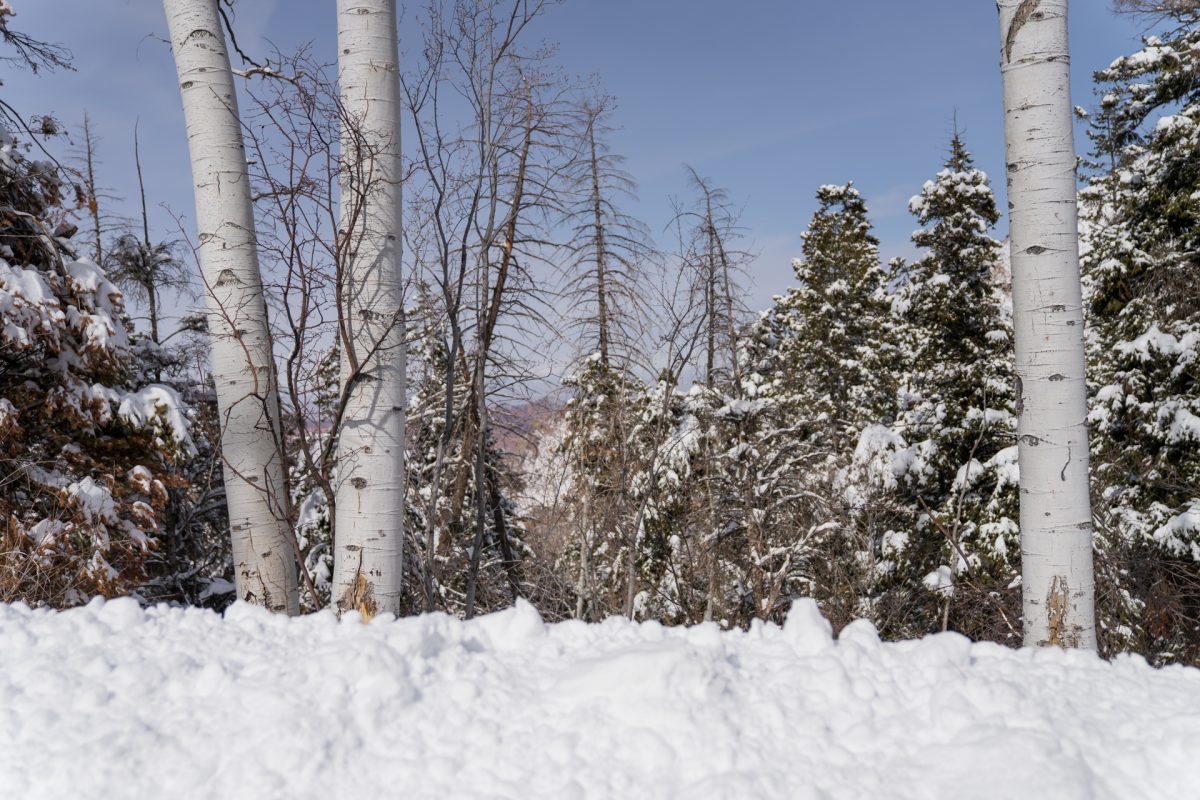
{"x": 1056, "y": 517}
{"x": 369, "y": 520}
{"x": 242, "y": 361}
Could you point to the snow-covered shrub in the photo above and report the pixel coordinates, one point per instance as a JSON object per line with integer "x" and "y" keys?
{"x": 82, "y": 449}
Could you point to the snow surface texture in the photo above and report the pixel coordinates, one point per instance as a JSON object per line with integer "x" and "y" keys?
{"x": 110, "y": 701}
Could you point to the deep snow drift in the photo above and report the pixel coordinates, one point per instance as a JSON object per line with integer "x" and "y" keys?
{"x": 109, "y": 701}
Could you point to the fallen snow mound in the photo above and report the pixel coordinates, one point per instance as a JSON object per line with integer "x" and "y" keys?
{"x": 110, "y": 701}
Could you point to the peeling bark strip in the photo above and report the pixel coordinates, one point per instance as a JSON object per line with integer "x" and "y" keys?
{"x": 1024, "y": 12}
{"x": 369, "y": 514}
{"x": 360, "y": 597}
{"x": 1058, "y": 608}
{"x": 243, "y": 367}
{"x": 1052, "y": 441}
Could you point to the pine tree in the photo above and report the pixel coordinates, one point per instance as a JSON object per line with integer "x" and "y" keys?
{"x": 770, "y": 509}
{"x": 1141, "y": 231}
{"x": 608, "y": 248}
{"x": 817, "y": 370}
{"x": 668, "y": 441}
{"x": 608, "y": 251}
{"x": 832, "y": 345}
{"x": 954, "y": 430}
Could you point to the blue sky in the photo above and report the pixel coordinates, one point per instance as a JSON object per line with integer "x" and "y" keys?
{"x": 770, "y": 98}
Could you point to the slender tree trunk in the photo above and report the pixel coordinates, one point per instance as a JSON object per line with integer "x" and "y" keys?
{"x": 1056, "y": 518}
{"x": 243, "y": 364}
{"x": 480, "y": 501}
{"x": 511, "y": 227}
{"x": 581, "y": 583}
{"x": 735, "y": 369}
{"x": 601, "y": 273}
{"x": 489, "y": 317}
{"x": 631, "y": 560}
{"x": 511, "y": 565}
{"x": 369, "y": 529}
{"x": 89, "y": 149}
{"x": 151, "y": 290}
{"x": 710, "y": 308}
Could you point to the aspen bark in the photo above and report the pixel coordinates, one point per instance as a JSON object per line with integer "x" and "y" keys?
{"x": 1056, "y": 519}
{"x": 242, "y": 360}
{"x": 369, "y": 520}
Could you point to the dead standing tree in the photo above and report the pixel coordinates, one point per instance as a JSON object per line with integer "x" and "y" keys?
{"x": 483, "y": 189}
{"x": 709, "y": 254}
{"x": 605, "y": 284}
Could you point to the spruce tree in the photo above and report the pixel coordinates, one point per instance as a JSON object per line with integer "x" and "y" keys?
{"x": 1141, "y": 230}
{"x": 828, "y": 331}
{"x": 820, "y": 372}
{"x": 956, "y": 413}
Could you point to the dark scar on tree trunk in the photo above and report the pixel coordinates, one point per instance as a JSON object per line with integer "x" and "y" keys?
{"x": 1058, "y": 603}
{"x": 1024, "y": 12}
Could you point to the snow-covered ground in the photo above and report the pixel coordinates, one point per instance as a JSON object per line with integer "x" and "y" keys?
{"x": 110, "y": 701}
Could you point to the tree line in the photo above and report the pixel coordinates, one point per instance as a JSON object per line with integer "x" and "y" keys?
{"x": 907, "y": 442}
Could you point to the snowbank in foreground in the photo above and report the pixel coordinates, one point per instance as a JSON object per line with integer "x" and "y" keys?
{"x": 109, "y": 701}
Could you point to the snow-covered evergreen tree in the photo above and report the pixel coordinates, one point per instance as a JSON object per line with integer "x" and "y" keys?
{"x": 831, "y": 346}
{"x": 193, "y": 562}
{"x": 668, "y": 439}
{"x": 602, "y": 460}
{"x": 83, "y": 447}
{"x": 1141, "y": 236}
{"x": 954, "y": 428}
{"x": 767, "y": 520}
{"x": 822, "y": 368}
